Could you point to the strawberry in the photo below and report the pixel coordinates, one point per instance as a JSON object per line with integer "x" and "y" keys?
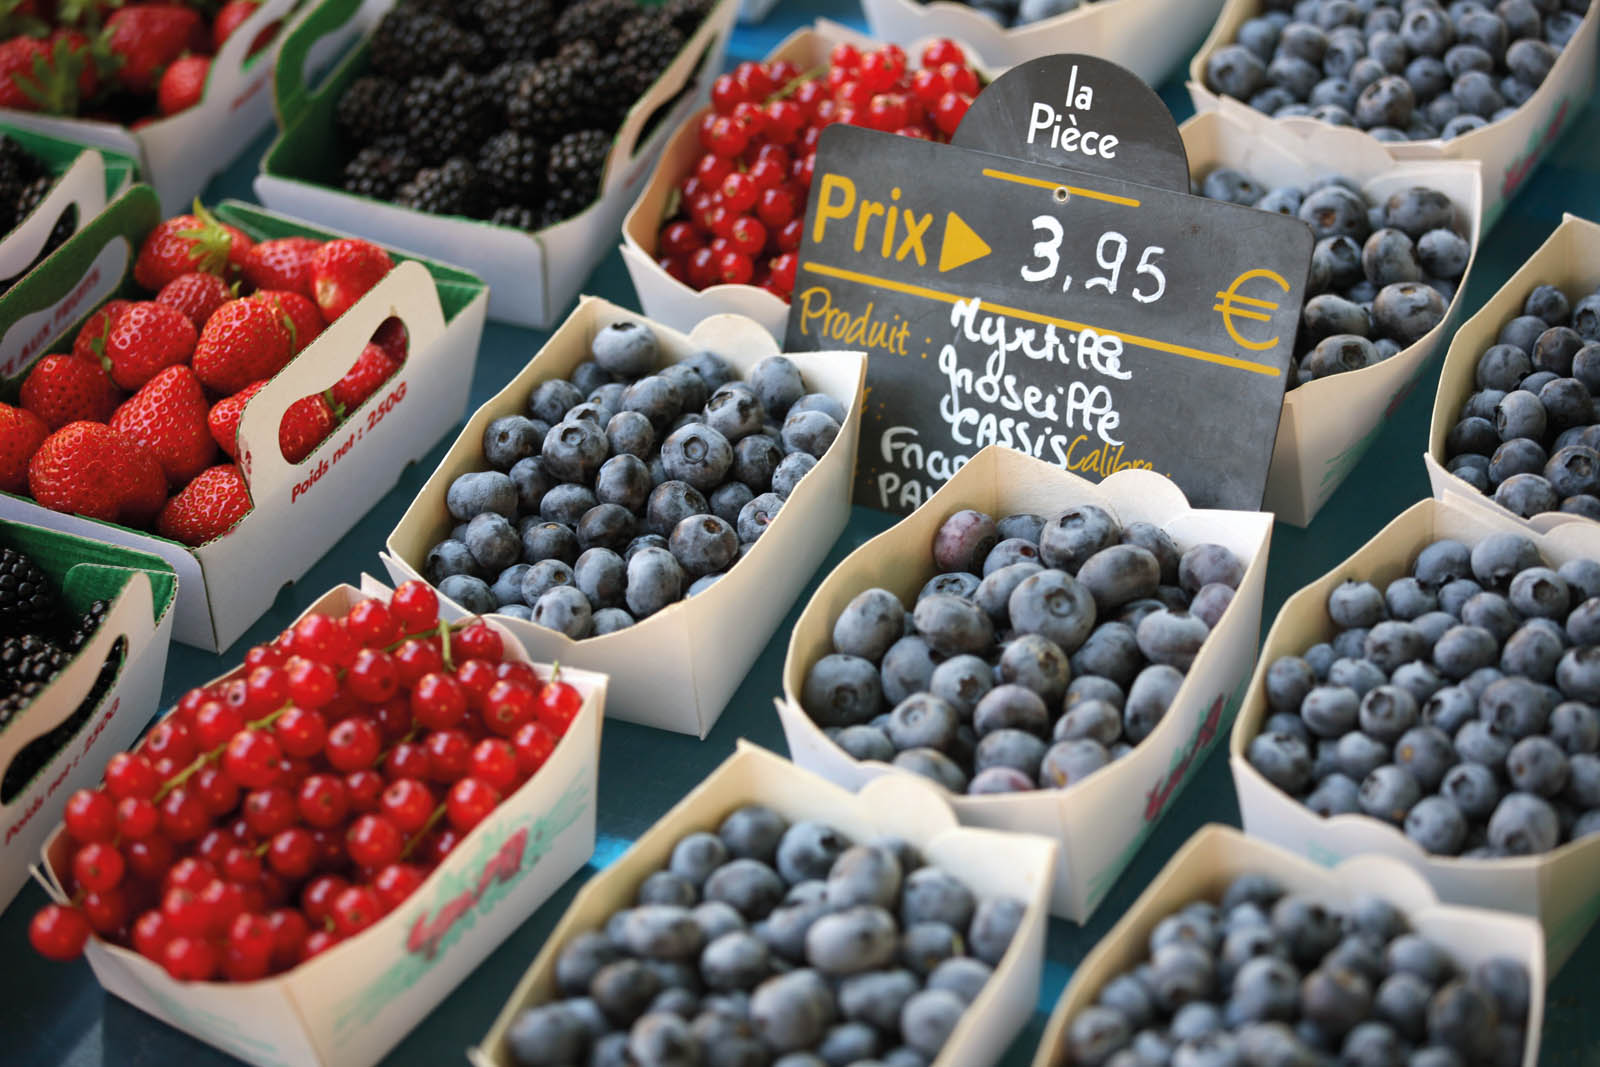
{"x": 21, "y": 434}
{"x": 392, "y": 338}
{"x": 90, "y": 343}
{"x": 168, "y": 416}
{"x": 148, "y": 337}
{"x": 50, "y": 75}
{"x": 371, "y": 369}
{"x": 196, "y": 294}
{"x": 342, "y": 271}
{"x": 223, "y": 421}
{"x": 244, "y": 341}
{"x": 187, "y": 243}
{"x": 183, "y": 84}
{"x": 149, "y": 37}
{"x": 232, "y": 15}
{"x": 306, "y": 424}
{"x": 87, "y": 468}
{"x": 282, "y": 263}
{"x": 207, "y": 507}
{"x": 299, "y": 314}
{"x": 20, "y": 58}
{"x": 63, "y": 389}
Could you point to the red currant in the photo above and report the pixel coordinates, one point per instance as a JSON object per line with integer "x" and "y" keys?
{"x": 269, "y": 810}
{"x": 356, "y": 909}
{"x": 150, "y": 934}
{"x": 311, "y": 684}
{"x": 363, "y": 788}
{"x": 416, "y": 658}
{"x": 415, "y": 606}
{"x": 949, "y": 111}
{"x": 470, "y": 801}
{"x": 679, "y": 239}
{"x": 438, "y": 702}
{"x": 494, "y": 760}
{"x": 961, "y": 79}
{"x": 213, "y": 846}
{"x": 783, "y": 271}
{"x": 316, "y": 943}
{"x": 354, "y": 744}
{"x": 479, "y": 641}
{"x": 726, "y": 92}
{"x": 129, "y": 774}
{"x": 189, "y": 873}
{"x": 559, "y": 704}
{"x": 725, "y": 137}
{"x": 476, "y": 677}
{"x": 748, "y": 235}
{"x": 943, "y": 51}
{"x": 508, "y": 705}
{"x": 292, "y": 852}
{"x": 137, "y": 818}
{"x": 533, "y": 743}
{"x": 317, "y": 898}
{"x": 98, "y": 865}
{"x": 247, "y": 953}
{"x": 58, "y": 932}
{"x": 150, "y": 858}
{"x": 251, "y": 758}
{"x": 844, "y": 56}
{"x": 289, "y": 932}
{"x": 449, "y": 754}
{"x": 216, "y": 722}
{"x": 408, "y": 803}
{"x": 393, "y": 717}
{"x": 408, "y": 759}
{"x": 216, "y": 790}
{"x": 371, "y": 624}
{"x": 189, "y": 959}
{"x": 183, "y": 815}
{"x": 373, "y": 676}
{"x": 241, "y": 864}
{"x": 734, "y": 268}
{"x": 300, "y": 732}
{"x": 739, "y": 192}
{"x": 186, "y": 911}
{"x": 225, "y": 902}
{"x": 322, "y": 801}
{"x": 374, "y": 841}
{"x": 266, "y": 690}
{"x": 91, "y": 816}
{"x": 396, "y": 882}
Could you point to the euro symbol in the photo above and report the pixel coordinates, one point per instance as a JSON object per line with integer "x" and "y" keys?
{"x": 1230, "y": 307}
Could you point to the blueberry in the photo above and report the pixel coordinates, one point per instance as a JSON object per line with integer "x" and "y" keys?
{"x": 757, "y": 515}
{"x": 566, "y": 504}
{"x": 609, "y": 526}
{"x": 792, "y": 1011}
{"x": 748, "y": 885}
{"x": 1437, "y": 825}
{"x": 1336, "y": 794}
{"x": 876, "y": 997}
{"x": 1234, "y": 70}
{"x": 1537, "y": 765}
{"x": 842, "y": 690}
{"x": 1461, "y": 1017}
{"x": 1524, "y": 825}
{"x": 1426, "y": 752}
{"x": 704, "y": 544}
{"x": 1283, "y": 759}
{"x": 735, "y": 412}
{"x": 1578, "y": 674}
{"x": 480, "y": 491}
{"x": 1417, "y": 956}
{"x": 1066, "y": 763}
{"x": 1388, "y": 793}
{"x": 564, "y": 609}
{"x": 1387, "y": 712}
{"x": 928, "y": 1018}
{"x": 809, "y": 433}
{"x": 1092, "y": 719}
{"x": 1505, "y": 982}
{"x": 625, "y": 349}
{"x": 964, "y": 540}
{"x": 922, "y": 721}
{"x": 547, "y": 1036}
{"x": 777, "y": 383}
{"x": 1575, "y": 727}
{"x": 449, "y": 557}
{"x": 1225, "y": 183}
{"x": 994, "y": 592}
{"x": 1009, "y": 553}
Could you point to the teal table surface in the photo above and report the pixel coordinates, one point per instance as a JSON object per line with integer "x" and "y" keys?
{"x": 57, "y": 1014}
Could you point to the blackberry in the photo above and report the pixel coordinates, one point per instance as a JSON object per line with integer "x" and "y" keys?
{"x": 593, "y": 20}
{"x": 517, "y": 29}
{"x": 379, "y": 170}
{"x": 36, "y": 754}
{"x": 29, "y": 659}
{"x": 450, "y": 115}
{"x": 452, "y": 189}
{"x": 686, "y": 15}
{"x": 573, "y": 174}
{"x": 371, "y": 108}
{"x": 409, "y": 42}
{"x": 18, "y": 169}
{"x": 516, "y": 216}
{"x": 503, "y": 80}
{"x": 646, "y": 45}
{"x": 88, "y": 625}
{"x": 557, "y": 96}
{"x": 512, "y": 166}
{"x": 27, "y": 596}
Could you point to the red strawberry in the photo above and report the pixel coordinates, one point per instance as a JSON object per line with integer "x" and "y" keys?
{"x": 50, "y": 75}
{"x": 148, "y": 337}
{"x": 196, "y": 294}
{"x": 371, "y": 369}
{"x": 207, "y": 507}
{"x": 298, "y": 313}
{"x": 342, "y": 271}
{"x": 392, "y": 338}
{"x": 244, "y": 341}
{"x": 282, "y": 263}
{"x": 17, "y": 59}
{"x": 90, "y": 343}
{"x": 21, "y": 434}
{"x": 223, "y": 420}
{"x": 183, "y": 84}
{"x": 149, "y": 37}
{"x": 86, "y": 468}
{"x": 187, "y": 243}
{"x": 168, "y": 416}
{"x": 306, "y": 424}
{"x": 63, "y": 389}
{"x": 232, "y": 15}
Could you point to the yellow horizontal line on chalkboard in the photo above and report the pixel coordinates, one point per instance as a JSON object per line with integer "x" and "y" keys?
{"x": 1092, "y": 194}
{"x": 1033, "y": 316}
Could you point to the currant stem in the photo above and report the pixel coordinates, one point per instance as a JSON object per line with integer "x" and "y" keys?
{"x": 427, "y": 827}
{"x": 788, "y": 88}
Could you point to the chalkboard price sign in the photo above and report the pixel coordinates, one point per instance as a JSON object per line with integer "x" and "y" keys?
{"x": 1089, "y": 321}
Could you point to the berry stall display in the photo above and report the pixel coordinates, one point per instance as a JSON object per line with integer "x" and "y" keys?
{"x": 1043, "y": 651}
{"x": 1412, "y": 71}
{"x": 739, "y": 211}
{"x": 1263, "y": 974}
{"x": 122, "y": 63}
{"x": 499, "y": 110}
{"x": 294, "y": 803}
{"x": 1528, "y": 436}
{"x": 137, "y": 422}
{"x": 1383, "y": 274}
{"x": 628, "y": 486}
{"x": 1456, "y": 703}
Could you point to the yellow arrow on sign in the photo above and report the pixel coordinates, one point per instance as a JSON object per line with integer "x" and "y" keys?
{"x": 961, "y": 246}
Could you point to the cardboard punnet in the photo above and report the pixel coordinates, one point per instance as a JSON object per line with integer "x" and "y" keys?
{"x": 1328, "y": 424}
{"x": 1100, "y": 822}
{"x": 301, "y": 510}
{"x": 1149, "y": 37}
{"x": 1509, "y": 149}
{"x": 1561, "y": 889}
{"x": 180, "y": 153}
{"x": 1570, "y": 260}
{"x": 990, "y": 864}
{"x": 135, "y": 634}
{"x": 353, "y": 1003}
{"x": 532, "y": 276}
{"x": 676, "y": 669}
{"x": 661, "y": 296}
{"x": 86, "y": 179}
{"x": 1216, "y": 855}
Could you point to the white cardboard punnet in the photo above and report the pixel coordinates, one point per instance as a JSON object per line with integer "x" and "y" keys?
{"x": 1560, "y": 889}
{"x": 1509, "y": 149}
{"x": 302, "y": 510}
{"x": 532, "y": 277}
{"x": 1570, "y": 260}
{"x": 664, "y": 298}
{"x": 353, "y": 1003}
{"x": 83, "y": 186}
{"x": 1216, "y": 855}
{"x": 144, "y": 624}
{"x": 990, "y": 864}
{"x": 676, "y": 669}
{"x": 180, "y": 153}
{"x": 1327, "y": 425}
{"x": 1100, "y": 822}
{"x": 1149, "y": 37}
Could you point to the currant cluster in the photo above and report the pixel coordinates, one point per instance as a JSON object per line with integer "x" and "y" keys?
{"x": 742, "y": 208}
{"x": 296, "y": 802}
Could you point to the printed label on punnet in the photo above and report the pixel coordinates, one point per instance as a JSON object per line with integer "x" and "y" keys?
{"x": 1090, "y": 322}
